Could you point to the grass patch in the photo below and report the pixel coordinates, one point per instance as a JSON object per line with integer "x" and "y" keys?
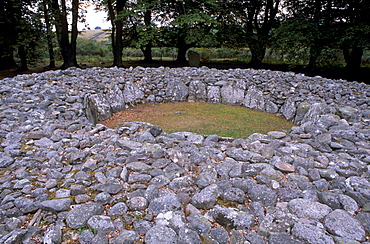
{"x": 203, "y": 118}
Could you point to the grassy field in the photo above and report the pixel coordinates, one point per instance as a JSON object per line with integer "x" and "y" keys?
{"x": 97, "y": 35}
{"x": 203, "y": 118}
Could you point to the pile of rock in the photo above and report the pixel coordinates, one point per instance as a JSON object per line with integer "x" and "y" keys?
{"x": 66, "y": 178}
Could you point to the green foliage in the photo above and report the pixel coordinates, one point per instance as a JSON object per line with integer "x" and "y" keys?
{"x": 20, "y": 26}
{"x": 81, "y": 229}
{"x": 294, "y": 32}
{"x": 222, "y": 54}
{"x": 92, "y": 47}
{"x": 356, "y": 35}
{"x": 132, "y": 52}
{"x": 164, "y": 52}
{"x": 301, "y": 34}
{"x": 330, "y": 58}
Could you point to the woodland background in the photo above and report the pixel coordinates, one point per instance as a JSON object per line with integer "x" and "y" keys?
{"x": 313, "y": 35}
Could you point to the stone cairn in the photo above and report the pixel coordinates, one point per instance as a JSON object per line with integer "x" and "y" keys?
{"x": 65, "y": 178}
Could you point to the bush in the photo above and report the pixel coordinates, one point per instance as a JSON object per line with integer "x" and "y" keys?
{"x": 331, "y": 58}
{"x": 165, "y": 52}
{"x": 132, "y": 52}
{"x": 87, "y": 47}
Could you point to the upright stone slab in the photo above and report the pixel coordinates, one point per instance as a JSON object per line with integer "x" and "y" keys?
{"x": 271, "y": 107}
{"x": 194, "y": 59}
{"x": 314, "y": 111}
{"x": 177, "y": 91}
{"x": 97, "y": 108}
{"x": 302, "y": 109}
{"x": 213, "y": 94}
{"x": 115, "y": 97}
{"x": 288, "y": 109}
{"x": 197, "y": 91}
{"x": 350, "y": 114}
{"x": 232, "y": 95}
{"x": 132, "y": 94}
{"x": 254, "y": 99}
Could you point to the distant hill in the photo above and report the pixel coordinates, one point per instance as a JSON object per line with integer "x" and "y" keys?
{"x": 98, "y": 35}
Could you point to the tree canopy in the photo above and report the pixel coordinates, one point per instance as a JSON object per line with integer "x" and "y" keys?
{"x": 290, "y": 26}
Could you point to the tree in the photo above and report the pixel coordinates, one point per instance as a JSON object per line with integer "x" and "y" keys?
{"x": 354, "y": 29}
{"x": 67, "y": 46}
{"x": 116, "y": 16}
{"x": 309, "y": 25}
{"x": 258, "y": 18}
{"x": 21, "y": 30}
{"x": 30, "y": 32}
{"x": 317, "y": 25}
{"x": 49, "y": 33}
{"x": 138, "y": 29}
{"x": 146, "y": 30}
{"x": 187, "y": 22}
{"x": 8, "y": 34}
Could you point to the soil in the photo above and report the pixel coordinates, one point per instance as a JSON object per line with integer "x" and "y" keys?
{"x": 362, "y": 75}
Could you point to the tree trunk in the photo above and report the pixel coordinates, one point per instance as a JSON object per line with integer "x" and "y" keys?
{"x": 49, "y": 35}
{"x": 64, "y": 41}
{"x": 6, "y": 58}
{"x": 353, "y": 57}
{"x": 315, "y": 51}
{"x": 23, "y": 56}
{"x": 181, "y": 54}
{"x": 118, "y": 43}
{"x": 147, "y": 50}
{"x": 116, "y": 35}
{"x": 258, "y": 50}
{"x": 112, "y": 18}
{"x": 259, "y": 24}
{"x": 68, "y": 49}
{"x": 73, "y": 58}
{"x": 182, "y": 48}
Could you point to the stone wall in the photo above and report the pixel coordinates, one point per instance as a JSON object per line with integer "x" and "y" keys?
{"x": 295, "y": 96}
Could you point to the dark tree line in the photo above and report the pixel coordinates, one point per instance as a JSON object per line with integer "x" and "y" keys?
{"x": 257, "y": 24}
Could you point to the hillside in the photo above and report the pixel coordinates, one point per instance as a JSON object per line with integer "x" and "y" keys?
{"x": 98, "y": 35}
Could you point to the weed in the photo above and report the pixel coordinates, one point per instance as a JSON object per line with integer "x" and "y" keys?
{"x": 228, "y": 203}
{"x": 81, "y": 229}
{"x": 26, "y": 148}
{"x": 137, "y": 217}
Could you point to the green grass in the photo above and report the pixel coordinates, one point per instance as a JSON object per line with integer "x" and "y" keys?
{"x": 203, "y": 118}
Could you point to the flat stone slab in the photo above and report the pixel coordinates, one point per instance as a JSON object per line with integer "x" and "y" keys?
{"x": 309, "y": 209}
{"x": 341, "y": 223}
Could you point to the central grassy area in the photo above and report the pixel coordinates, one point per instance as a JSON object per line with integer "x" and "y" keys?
{"x": 203, "y": 118}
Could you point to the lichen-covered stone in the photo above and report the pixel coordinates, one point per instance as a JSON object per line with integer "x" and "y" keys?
{"x": 97, "y": 108}
{"x": 254, "y": 99}
{"x": 340, "y": 223}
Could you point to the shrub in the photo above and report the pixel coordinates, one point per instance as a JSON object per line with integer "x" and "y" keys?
{"x": 86, "y": 47}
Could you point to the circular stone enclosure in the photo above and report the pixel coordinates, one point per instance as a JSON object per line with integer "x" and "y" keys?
{"x": 295, "y": 96}
{"x": 202, "y": 118}
{"x": 47, "y": 142}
